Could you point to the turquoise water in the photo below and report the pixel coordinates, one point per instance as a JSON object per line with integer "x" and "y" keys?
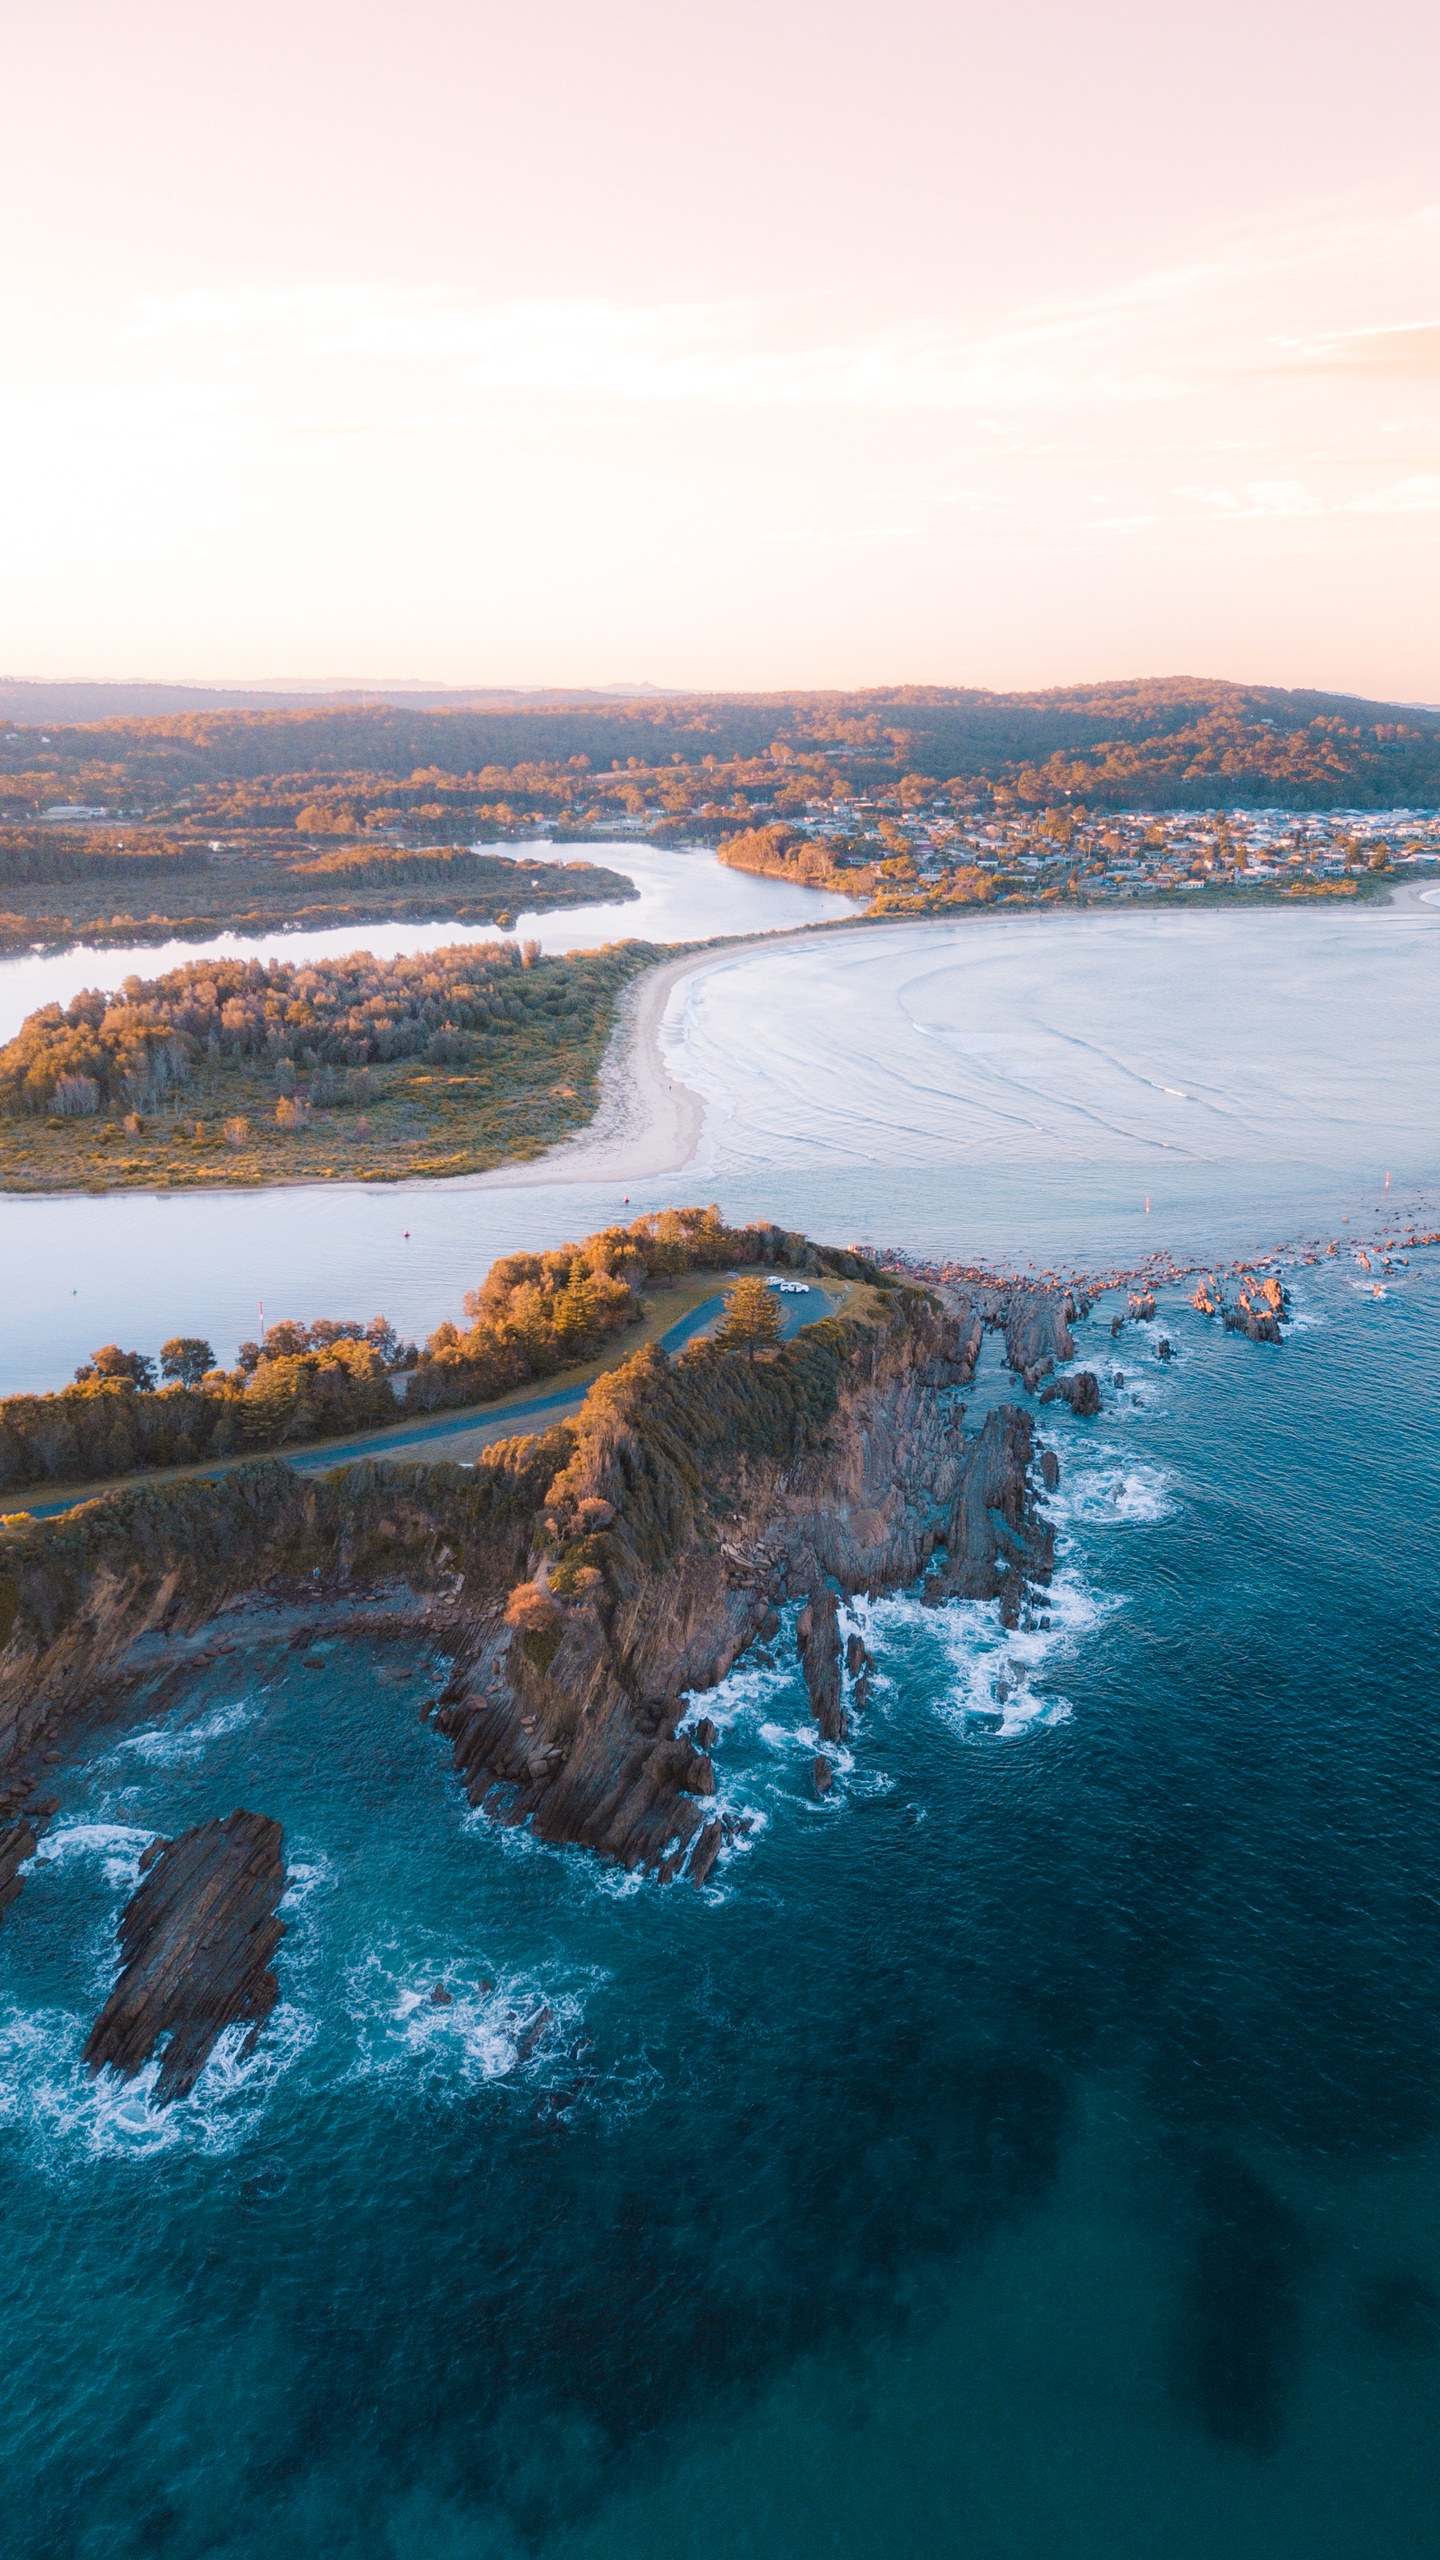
{"x": 1034, "y": 2150}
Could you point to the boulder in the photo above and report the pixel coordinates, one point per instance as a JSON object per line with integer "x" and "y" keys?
{"x": 1081, "y": 1393}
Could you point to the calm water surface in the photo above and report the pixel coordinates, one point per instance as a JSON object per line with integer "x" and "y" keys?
{"x": 1075, "y": 1087}
{"x": 683, "y": 897}
{"x": 1033, "y": 2150}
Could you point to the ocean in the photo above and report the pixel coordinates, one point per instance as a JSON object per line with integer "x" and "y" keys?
{"x": 1031, "y": 2150}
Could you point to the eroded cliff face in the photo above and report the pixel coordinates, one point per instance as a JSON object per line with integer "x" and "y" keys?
{"x": 700, "y": 1496}
{"x": 106, "y": 1596}
{"x": 582, "y": 1582}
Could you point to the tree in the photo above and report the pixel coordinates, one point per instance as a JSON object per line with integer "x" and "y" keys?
{"x": 111, "y": 1362}
{"x": 751, "y": 1321}
{"x": 185, "y": 1359}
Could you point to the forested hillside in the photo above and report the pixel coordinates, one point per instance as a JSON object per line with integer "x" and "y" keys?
{"x": 1171, "y": 743}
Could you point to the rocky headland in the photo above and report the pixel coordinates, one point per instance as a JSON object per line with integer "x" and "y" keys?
{"x": 579, "y": 1585}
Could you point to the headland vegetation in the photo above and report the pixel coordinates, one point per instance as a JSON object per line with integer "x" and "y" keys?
{"x": 536, "y": 1315}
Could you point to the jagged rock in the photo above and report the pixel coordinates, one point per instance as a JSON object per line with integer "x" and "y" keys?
{"x": 196, "y": 1942}
{"x": 1164, "y": 1349}
{"x": 822, "y": 1774}
{"x": 1207, "y": 1298}
{"x": 1142, "y": 1305}
{"x": 705, "y": 1852}
{"x": 1255, "y": 1327}
{"x": 706, "y": 1734}
{"x": 1049, "y": 1469}
{"x": 17, "y": 1843}
{"x": 441, "y": 1998}
{"x": 1081, "y": 1393}
{"x": 857, "y": 1659}
{"x": 1036, "y": 1326}
{"x": 531, "y": 2033}
{"x": 1117, "y": 1327}
{"x": 996, "y": 1536}
{"x": 818, "y": 1632}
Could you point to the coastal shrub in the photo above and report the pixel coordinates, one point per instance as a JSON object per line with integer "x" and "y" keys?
{"x": 538, "y": 1312}
{"x": 533, "y": 1314}
{"x": 113, "y": 1420}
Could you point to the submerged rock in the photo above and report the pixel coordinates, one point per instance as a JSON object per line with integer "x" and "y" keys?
{"x": 822, "y": 1775}
{"x": 196, "y": 1942}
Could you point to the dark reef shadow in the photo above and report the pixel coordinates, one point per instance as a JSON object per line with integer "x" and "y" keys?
{"x": 1238, "y": 2343}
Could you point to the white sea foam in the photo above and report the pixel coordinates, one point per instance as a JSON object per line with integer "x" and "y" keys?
{"x": 178, "y": 1746}
{"x": 118, "y": 1845}
{"x": 992, "y": 1672}
{"x": 68, "y": 2115}
{"x": 1113, "y": 1486}
{"x": 509, "y": 2026}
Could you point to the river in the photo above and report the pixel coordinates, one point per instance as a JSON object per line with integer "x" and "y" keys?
{"x": 1035, "y": 1086}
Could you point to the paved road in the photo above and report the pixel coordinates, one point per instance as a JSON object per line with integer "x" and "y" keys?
{"x": 463, "y": 1436}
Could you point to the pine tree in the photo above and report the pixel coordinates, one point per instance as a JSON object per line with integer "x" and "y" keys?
{"x": 751, "y": 1321}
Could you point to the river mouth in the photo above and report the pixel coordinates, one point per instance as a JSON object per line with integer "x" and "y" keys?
{"x": 1072, "y": 1090}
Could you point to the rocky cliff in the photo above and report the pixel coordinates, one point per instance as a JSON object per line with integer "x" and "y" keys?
{"x": 700, "y": 1496}
{"x": 581, "y": 1583}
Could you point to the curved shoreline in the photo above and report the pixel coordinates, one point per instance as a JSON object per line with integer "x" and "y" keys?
{"x": 649, "y": 1124}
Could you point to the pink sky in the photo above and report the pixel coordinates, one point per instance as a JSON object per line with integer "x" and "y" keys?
{"x": 776, "y": 345}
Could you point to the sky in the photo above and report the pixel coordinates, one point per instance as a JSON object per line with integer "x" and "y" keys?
{"x": 765, "y": 346}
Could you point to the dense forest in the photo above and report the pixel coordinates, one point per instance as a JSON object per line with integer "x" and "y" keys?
{"x": 334, "y": 769}
{"x": 535, "y": 1313}
{"x": 234, "y": 1070}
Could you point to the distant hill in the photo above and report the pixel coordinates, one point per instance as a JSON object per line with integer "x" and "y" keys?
{"x": 1171, "y": 742}
{"x": 32, "y": 705}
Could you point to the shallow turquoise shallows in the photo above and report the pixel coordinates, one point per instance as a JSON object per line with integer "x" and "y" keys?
{"x": 1030, "y": 2153}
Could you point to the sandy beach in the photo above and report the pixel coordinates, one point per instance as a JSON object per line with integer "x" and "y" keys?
{"x": 649, "y": 1123}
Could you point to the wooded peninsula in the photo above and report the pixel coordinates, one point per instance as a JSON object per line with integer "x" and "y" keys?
{"x": 349, "y": 1070}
